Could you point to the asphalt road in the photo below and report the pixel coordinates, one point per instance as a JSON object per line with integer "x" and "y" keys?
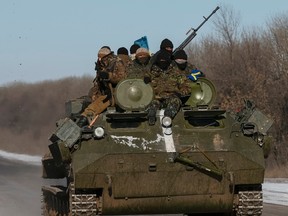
{"x": 20, "y": 191}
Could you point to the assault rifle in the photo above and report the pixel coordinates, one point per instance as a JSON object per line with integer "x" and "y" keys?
{"x": 193, "y": 34}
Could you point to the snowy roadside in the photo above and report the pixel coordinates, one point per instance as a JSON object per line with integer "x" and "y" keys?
{"x": 275, "y": 191}
{"x": 28, "y": 159}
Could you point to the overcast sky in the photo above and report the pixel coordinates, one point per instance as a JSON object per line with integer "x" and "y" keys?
{"x": 48, "y": 40}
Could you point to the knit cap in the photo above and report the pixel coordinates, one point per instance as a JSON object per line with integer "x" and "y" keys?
{"x": 122, "y": 50}
{"x": 103, "y": 52}
{"x": 166, "y": 43}
{"x": 142, "y": 51}
{"x": 180, "y": 54}
{"x": 134, "y": 48}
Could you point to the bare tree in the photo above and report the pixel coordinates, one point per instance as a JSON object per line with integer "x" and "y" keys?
{"x": 278, "y": 40}
{"x": 227, "y": 25}
{"x": 29, "y": 111}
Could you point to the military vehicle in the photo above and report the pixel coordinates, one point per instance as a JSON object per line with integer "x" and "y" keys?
{"x": 205, "y": 160}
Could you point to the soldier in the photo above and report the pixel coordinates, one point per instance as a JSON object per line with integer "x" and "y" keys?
{"x": 183, "y": 69}
{"x": 106, "y": 49}
{"x": 99, "y": 66}
{"x": 181, "y": 60}
{"x": 186, "y": 71}
{"x": 166, "y": 45}
{"x": 139, "y": 66}
{"x": 113, "y": 69}
{"x": 133, "y": 50}
{"x": 122, "y": 53}
{"x": 110, "y": 71}
{"x": 164, "y": 81}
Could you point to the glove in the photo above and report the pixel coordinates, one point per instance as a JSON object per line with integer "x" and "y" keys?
{"x": 103, "y": 75}
{"x": 147, "y": 80}
{"x": 108, "y": 94}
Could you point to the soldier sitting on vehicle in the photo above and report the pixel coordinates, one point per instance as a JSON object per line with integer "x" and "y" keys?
{"x": 139, "y": 66}
{"x": 110, "y": 70}
{"x": 180, "y": 59}
{"x": 166, "y": 45}
{"x": 164, "y": 81}
{"x": 186, "y": 72}
{"x": 122, "y": 53}
{"x": 133, "y": 50}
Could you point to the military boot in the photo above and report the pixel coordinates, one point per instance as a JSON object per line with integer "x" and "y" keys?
{"x": 170, "y": 112}
{"x": 151, "y": 116}
{"x": 152, "y": 111}
{"x": 83, "y": 121}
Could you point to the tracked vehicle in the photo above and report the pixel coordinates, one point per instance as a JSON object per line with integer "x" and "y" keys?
{"x": 205, "y": 160}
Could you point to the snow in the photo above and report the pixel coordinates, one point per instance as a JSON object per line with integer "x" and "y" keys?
{"x": 28, "y": 159}
{"x": 275, "y": 191}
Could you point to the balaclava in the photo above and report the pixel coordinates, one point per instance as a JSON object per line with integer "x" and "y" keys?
{"x": 163, "y": 59}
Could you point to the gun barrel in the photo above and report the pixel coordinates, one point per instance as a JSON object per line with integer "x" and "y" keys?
{"x": 193, "y": 34}
{"x": 186, "y": 161}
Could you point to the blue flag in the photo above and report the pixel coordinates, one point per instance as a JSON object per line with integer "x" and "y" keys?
{"x": 142, "y": 42}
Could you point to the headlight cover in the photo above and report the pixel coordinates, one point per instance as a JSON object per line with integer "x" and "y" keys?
{"x": 99, "y": 132}
{"x": 166, "y": 121}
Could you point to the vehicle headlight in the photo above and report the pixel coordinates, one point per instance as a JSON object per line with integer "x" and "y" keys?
{"x": 99, "y": 132}
{"x": 166, "y": 121}
{"x": 260, "y": 139}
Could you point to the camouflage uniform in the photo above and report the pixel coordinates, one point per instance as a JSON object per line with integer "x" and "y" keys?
{"x": 188, "y": 69}
{"x": 126, "y": 59}
{"x": 139, "y": 66}
{"x": 166, "y": 45}
{"x": 166, "y": 89}
{"x": 136, "y": 70}
{"x": 115, "y": 67}
{"x": 102, "y": 91}
{"x": 182, "y": 81}
{"x": 164, "y": 82}
{"x": 184, "y": 69}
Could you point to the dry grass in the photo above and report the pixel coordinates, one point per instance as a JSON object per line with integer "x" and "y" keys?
{"x": 29, "y": 112}
{"x": 276, "y": 172}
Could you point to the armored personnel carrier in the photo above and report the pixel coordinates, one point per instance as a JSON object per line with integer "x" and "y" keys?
{"x": 205, "y": 160}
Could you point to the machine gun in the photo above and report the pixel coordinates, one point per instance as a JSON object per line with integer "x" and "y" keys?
{"x": 194, "y": 33}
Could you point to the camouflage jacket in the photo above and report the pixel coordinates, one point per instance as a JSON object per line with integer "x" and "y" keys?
{"x": 126, "y": 59}
{"x": 136, "y": 70}
{"x": 165, "y": 82}
{"x": 184, "y": 83}
{"x": 116, "y": 69}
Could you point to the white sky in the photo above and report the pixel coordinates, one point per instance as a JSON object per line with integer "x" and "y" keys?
{"x": 42, "y": 40}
